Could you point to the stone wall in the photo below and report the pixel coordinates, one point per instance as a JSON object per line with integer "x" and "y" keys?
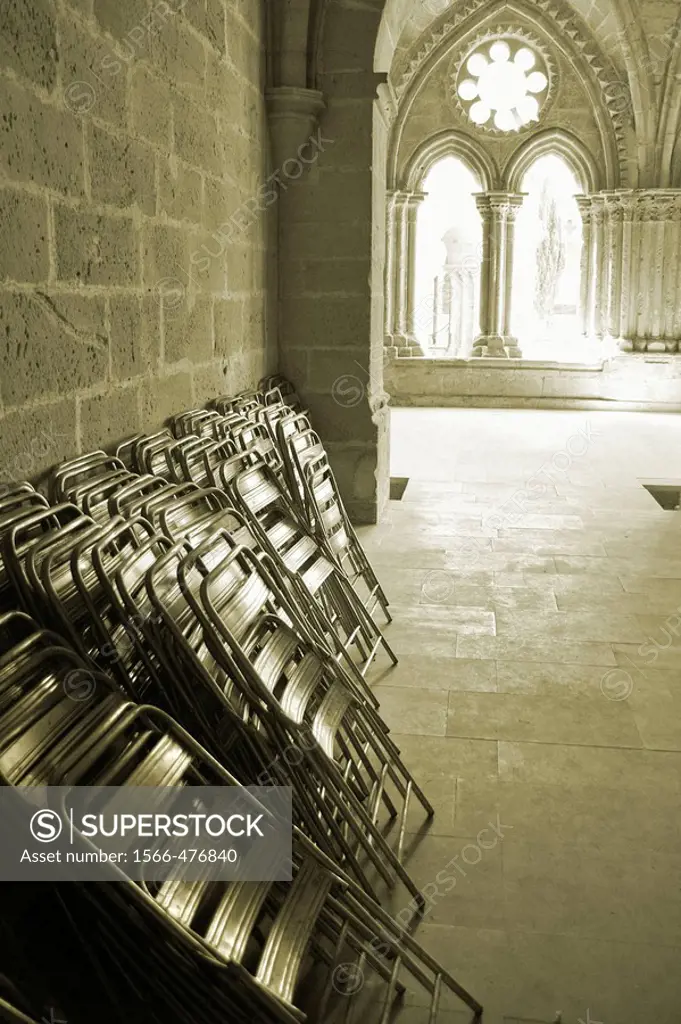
{"x": 130, "y": 130}
{"x": 331, "y": 259}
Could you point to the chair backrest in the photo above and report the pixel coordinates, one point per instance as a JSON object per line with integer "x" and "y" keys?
{"x": 134, "y": 493}
{"x": 71, "y": 476}
{"x": 149, "y": 453}
{"x": 258, "y": 489}
{"x": 19, "y": 503}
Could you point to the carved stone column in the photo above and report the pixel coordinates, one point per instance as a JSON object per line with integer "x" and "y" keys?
{"x": 614, "y": 237}
{"x": 401, "y": 273}
{"x": 673, "y": 281}
{"x": 602, "y": 287}
{"x": 627, "y": 205}
{"x": 498, "y": 211}
{"x": 651, "y": 282}
{"x": 602, "y": 264}
{"x": 399, "y": 263}
{"x": 631, "y": 284}
{"x": 585, "y": 298}
{"x": 413, "y": 203}
{"x": 510, "y": 343}
{"x": 390, "y": 260}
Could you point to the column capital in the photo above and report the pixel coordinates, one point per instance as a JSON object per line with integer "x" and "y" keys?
{"x": 499, "y": 204}
{"x": 657, "y": 204}
{"x": 415, "y": 199}
{"x": 403, "y": 197}
{"x": 292, "y": 113}
{"x": 584, "y": 206}
{"x": 644, "y": 204}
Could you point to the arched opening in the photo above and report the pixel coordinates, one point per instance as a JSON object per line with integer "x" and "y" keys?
{"x": 447, "y": 262}
{"x": 547, "y": 265}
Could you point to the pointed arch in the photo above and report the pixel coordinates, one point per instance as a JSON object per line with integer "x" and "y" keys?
{"x": 597, "y": 77}
{"x": 449, "y": 143}
{"x": 561, "y": 143}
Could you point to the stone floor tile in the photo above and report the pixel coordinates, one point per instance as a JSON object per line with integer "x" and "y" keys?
{"x": 619, "y": 603}
{"x": 430, "y": 628}
{"x": 465, "y": 879}
{"x": 573, "y": 542}
{"x": 565, "y": 889}
{"x": 421, "y": 712}
{"x": 658, "y": 720}
{"x": 580, "y": 814}
{"x": 669, "y": 568}
{"x": 448, "y": 755}
{"x": 629, "y": 769}
{"x": 548, "y": 678}
{"x": 657, "y": 587}
{"x": 419, "y": 671}
{"x": 603, "y": 627}
{"x": 587, "y": 721}
{"x": 525, "y": 648}
{"x": 498, "y": 561}
{"x": 446, "y": 588}
{"x": 534, "y": 521}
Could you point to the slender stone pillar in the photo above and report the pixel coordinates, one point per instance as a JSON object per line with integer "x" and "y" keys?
{"x": 510, "y": 343}
{"x": 602, "y": 288}
{"x": 614, "y": 217}
{"x": 602, "y": 263}
{"x": 400, "y": 286}
{"x": 413, "y": 203}
{"x": 390, "y": 259}
{"x": 627, "y": 206}
{"x": 498, "y": 211}
{"x": 400, "y": 267}
{"x": 630, "y": 327}
{"x": 672, "y": 285}
{"x": 585, "y": 298}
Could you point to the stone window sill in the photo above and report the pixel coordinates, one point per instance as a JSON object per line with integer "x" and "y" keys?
{"x": 504, "y": 364}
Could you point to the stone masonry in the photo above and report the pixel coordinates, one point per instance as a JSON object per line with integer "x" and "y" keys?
{"x": 130, "y": 131}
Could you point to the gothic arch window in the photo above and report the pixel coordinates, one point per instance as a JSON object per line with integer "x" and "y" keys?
{"x": 503, "y": 83}
{"x": 547, "y": 266}
{"x": 448, "y": 254}
{"x": 561, "y": 143}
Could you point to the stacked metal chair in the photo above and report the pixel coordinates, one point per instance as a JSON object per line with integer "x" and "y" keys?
{"x": 18, "y": 502}
{"x": 209, "y": 575}
{"x": 341, "y": 748}
{"x": 190, "y": 951}
{"x": 256, "y": 489}
{"x": 125, "y": 588}
{"x": 185, "y": 511}
{"x": 309, "y": 480}
{"x": 310, "y": 472}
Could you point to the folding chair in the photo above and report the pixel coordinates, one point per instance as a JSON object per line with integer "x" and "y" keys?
{"x": 258, "y": 491}
{"x": 254, "y": 632}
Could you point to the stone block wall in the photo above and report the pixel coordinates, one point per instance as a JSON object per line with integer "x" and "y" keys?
{"x": 331, "y": 260}
{"x": 130, "y": 132}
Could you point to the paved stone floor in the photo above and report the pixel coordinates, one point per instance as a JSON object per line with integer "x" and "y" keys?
{"x": 536, "y": 591}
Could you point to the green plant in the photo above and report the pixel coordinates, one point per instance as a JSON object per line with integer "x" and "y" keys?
{"x": 551, "y": 253}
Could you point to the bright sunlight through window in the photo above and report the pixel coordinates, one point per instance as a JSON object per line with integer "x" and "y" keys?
{"x": 502, "y": 85}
